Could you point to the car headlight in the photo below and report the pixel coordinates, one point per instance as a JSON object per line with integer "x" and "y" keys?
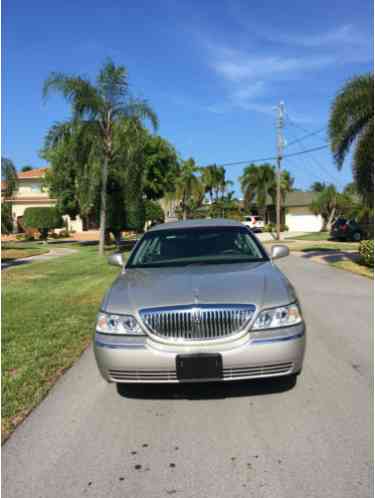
{"x": 118, "y": 324}
{"x": 284, "y": 316}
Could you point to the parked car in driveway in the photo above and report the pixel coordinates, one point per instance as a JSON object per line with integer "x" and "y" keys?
{"x": 255, "y": 223}
{"x": 343, "y": 229}
{"x": 196, "y": 301}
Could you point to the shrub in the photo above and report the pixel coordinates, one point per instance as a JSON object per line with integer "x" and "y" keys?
{"x": 366, "y": 253}
{"x": 153, "y": 212}
{"x": 271, "y": 227}
{"x": 43, "y": 219}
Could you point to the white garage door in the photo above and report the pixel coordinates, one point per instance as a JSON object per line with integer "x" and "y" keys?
{"x": 303, "y": 222}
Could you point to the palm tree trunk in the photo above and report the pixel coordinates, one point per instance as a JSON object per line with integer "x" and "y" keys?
{"x": 330, "y": 219}
{"x": 103, "y": 205}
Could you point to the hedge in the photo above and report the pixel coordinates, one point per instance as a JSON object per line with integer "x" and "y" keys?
{"x": 366, "y": 253}
{"x": 42, "y": 218}
{"x": 271, "y": 227}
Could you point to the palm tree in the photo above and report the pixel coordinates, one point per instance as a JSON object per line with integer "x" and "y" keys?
{"x": 9, "y": 175}
{"x": 325, "y": 204}
{"x": 218, "y": 180}
{"x": 286, "y": 185}
{"x": 208, "y": 179}
{"x": 101, "y": 106}
{"x": 257, "y": 182}
{"x": 352, "y": 121}
{"x": 189, "y": 187}
{"x": 318, "y": 186}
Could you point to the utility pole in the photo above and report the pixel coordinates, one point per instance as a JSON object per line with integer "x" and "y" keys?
{"x": 280, "y": 147}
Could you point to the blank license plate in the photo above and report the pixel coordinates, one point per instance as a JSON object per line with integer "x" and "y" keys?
{"x": 199, "y": 366}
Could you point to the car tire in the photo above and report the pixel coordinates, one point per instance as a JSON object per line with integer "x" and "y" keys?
{"x": 357, "y": 236}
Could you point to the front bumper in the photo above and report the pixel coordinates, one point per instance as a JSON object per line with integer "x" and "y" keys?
{"x": 143, "y": 360}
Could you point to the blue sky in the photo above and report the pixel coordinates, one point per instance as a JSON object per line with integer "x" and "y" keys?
{"x": 213, "y": 71}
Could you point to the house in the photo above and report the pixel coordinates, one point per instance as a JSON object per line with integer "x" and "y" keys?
{"x": 31, "y": 192}
{"x": 295, "y": 212}
{"x": 298, "y": 215}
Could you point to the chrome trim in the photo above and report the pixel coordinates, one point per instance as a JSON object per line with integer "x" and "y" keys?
{"x": 117, "y": 341}
{"x": 278, "y": 339}
{"x": 118, "y": 346}
{"x": 197, "y": 322}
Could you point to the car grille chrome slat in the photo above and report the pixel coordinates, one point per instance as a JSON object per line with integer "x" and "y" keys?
{"x": 244, "y": 372}
{"x": 197, "y": 322}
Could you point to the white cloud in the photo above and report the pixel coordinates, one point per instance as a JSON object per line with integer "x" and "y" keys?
{"x": 241, "y": 66}
{"x": 251, "y": 74}
{"x": 345, "y": 35}
{"x": 248, "y": 75}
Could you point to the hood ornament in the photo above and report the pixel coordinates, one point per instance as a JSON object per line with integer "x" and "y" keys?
{"x": 196, "y": 296}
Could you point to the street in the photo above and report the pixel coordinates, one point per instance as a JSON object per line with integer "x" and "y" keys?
{"x": 247, "y": 439}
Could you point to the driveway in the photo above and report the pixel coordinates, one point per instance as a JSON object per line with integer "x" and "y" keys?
{"x": 252, "y": 439}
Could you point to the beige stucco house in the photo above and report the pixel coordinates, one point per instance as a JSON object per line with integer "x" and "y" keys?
{"x": 31, "y": 192}
{"x": 296, "y": 212}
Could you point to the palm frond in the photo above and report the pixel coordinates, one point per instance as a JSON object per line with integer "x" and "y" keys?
{"x": 140, "y": 109}
{"x": 363, "y": 164}
{"x": 352, "y": 109}
{"x": 112, "y": 83}
{"x": 82, "y": 95}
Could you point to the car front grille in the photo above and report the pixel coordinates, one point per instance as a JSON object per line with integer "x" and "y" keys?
{"x": 257, "y": 371}
{"x": 143, "y": 375}
{"x": 197, "y": 322}
{"x": 146, "y": 375}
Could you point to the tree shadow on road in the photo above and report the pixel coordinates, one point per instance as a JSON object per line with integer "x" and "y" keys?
{"x": 207, "y": 390}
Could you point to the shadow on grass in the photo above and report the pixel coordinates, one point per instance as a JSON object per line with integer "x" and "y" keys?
{"x": 207, "y": 390}
{"x": 331, "y": 255}
{"x": 9, "y": 262}
{"x": 125, "y": 245}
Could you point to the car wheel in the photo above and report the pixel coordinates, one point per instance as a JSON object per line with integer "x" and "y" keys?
{"x": 356, "y": 236}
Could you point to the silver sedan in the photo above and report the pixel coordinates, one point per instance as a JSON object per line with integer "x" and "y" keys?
{"x": 199, "y": 301}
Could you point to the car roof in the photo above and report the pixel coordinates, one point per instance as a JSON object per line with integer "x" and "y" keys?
{"x": 215, "y": 222}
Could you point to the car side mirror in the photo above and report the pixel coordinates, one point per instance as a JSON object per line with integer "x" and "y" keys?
{"x": 279, "y": 251}
{"x": 116, "y": 259}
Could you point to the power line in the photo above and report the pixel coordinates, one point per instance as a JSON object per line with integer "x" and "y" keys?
{"x": 273, "y": 158}
{"x": 309, "y": 173}
{"x": 296, "y": 125}
{"x": 306, "y": 136}
{"x": 336, "y": 179}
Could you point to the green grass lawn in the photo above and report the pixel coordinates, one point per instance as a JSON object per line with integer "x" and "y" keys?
{"x": 49, "y": 311}
{"x": 305, "y": 245}
{"x": 354, "y": 267}
{"x": 312, "y": 236}
{"x": 16, "y": 250}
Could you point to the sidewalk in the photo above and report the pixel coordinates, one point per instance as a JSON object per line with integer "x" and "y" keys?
{"x": 266, "y": 236}
{"x": 54, "y": 253}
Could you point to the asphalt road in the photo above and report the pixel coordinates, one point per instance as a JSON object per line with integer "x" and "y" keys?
{"x": 254, "y": 439}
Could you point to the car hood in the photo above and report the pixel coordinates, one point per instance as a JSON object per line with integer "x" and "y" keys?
{"x": 259, "y": 283}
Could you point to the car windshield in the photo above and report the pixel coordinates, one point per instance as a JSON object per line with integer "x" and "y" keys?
{"x": 206, "y": 245}
{"x": 340, "y": 221}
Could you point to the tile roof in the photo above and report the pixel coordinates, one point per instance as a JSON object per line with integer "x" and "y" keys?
{"x": 33, "y": 173}
{"x": 299, "y": 198}
{"x": 293, "y": 199}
